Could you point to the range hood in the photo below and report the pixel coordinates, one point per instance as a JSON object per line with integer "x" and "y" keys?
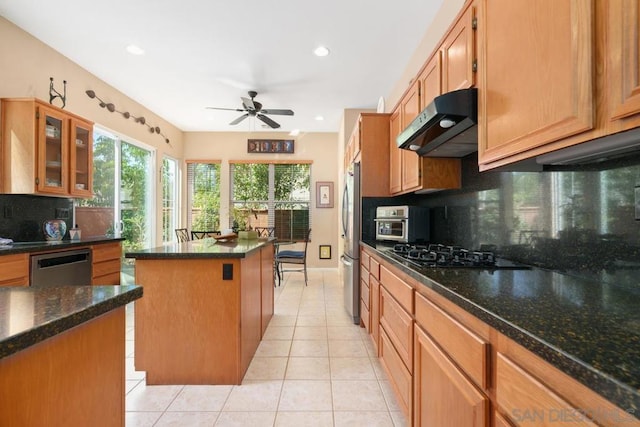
{"x": 447, "y": 127}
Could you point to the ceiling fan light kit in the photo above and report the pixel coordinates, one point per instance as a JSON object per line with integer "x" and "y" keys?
{"x": 253, "y": 108}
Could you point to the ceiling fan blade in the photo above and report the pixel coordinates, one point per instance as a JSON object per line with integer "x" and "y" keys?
{"x": 239, "y": 119}
{"x": 225, "y": 109}
{"x": 248, "y": 103}
{"x": 278, "y": 112}
{"x": 268, "y": 121}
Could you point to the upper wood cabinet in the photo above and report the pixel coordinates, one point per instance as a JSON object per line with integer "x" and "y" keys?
{"x": 623, "y": 62}
{"x": 458, "y": 52}
{"x": 408, "y": 171}
{"x": 409, "y": 110}
{"x": 45, "y": 150}
{"x": 536, "y": 83}
{"x": 576, "y": 80}
{"x": 371, "y": 137}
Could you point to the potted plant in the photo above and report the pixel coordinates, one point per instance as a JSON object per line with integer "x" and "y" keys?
{"x": 242, "y": 222}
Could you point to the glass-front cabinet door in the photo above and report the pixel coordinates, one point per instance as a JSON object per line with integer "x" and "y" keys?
{"x": 81, "y": 147}
{"x": 52, "y": 148}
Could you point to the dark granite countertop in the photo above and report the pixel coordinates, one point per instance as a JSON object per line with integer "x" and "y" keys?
{"x": 587, "y": 328}
{"x": 204, "y": 248}
{"x": 26, "y": 247}
{"x": 30, "y": 315}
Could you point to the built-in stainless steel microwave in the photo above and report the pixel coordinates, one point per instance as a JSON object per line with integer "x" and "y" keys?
{"x": 406, "y": 224}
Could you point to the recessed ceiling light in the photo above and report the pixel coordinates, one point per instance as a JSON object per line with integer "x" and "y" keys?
{"x": 321, "y": 51}
{"x": 135, "y": 50}
{"x": 319, "y": 118}
{"x": 294, "y": 132}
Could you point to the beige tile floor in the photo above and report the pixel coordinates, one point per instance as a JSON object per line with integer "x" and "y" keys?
{"x": 314, "y": 367}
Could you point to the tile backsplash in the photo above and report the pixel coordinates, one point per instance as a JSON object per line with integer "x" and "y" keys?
{"x": 22, "y": 215}
{"x": 581, "y": 220}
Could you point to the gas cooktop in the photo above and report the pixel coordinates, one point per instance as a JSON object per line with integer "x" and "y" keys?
{"x": 448, "y": 256}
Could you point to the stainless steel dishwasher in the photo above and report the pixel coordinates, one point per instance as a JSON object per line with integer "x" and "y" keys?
{"x": 61, "y": 268}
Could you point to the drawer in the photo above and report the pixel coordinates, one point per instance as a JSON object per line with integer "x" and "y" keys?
{"x": 106, "y": 251}
{"x": 107, "y": 279}
{"x": 399, "y": 375}
{"x": 365, "y": 318}
{"x": 398, "y": 325}
{"x": 364, "y": 259}
{"x": 402, "y": 292}
{"x": 106, "y": 267}
{"x": 517, "y": 392}
{"x": 374, "y": 268}
{"x": 469, "y": 351}
{"x": 14, "y": 269}
{"x": 364, "y": 293}
{"x": 364, "y": 274}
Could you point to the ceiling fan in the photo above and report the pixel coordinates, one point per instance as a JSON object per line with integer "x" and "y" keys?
{"x": 254, "y": 109}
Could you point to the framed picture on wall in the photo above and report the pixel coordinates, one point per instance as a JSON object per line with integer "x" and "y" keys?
{"x": 270, "y": 146}
{"x": 324, "y": 194}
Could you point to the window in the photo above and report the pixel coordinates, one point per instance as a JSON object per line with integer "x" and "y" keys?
{"x": 203, "y": 196}
{"x": 169, "y": 199}
{"x": 272, "y": 195}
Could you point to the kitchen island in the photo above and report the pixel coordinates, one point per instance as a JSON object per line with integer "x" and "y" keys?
{"x": 62, "y": 355}
{"x": 206, "y": 307}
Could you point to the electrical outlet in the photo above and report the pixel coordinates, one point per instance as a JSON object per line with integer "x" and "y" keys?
{"x": 637, "y": 202}
{"x": 8, "y": 211}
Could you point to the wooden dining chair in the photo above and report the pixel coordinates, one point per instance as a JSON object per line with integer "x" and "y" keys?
{"x": 293, "y": 257}
{"x": 182, "y": 234}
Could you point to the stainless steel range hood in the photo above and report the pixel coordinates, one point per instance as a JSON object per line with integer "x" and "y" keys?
{"x": 447, "y": 127}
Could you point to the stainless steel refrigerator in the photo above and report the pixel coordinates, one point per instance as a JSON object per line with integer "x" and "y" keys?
{"x": 350, "y": 260}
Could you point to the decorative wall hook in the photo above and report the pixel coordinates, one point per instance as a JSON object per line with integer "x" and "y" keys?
{"x": 53, "y": 94}
{"x": 112, "y": 108}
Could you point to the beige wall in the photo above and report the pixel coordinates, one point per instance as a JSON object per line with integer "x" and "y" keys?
{"x": 321, "y": 148}
{"x": 27, "y": 66}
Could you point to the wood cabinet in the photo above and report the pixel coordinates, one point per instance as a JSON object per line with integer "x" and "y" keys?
{"x": 14, "y": 270}
{"x": 74, "y": 378}
{"x": 527, "y": 400}
{"x": 45, "y": 150}
{"x": 371, "y": 136}
{"x": 443, "y": 394}
{"x": 462, "y": 372}
{"x": 200, "y": 320}
{"x": 458, "y": 53}
{"x": 267, "y": 281}
{"x": 623, "y": 62}
{"x": 575, "y": 81}
{"x": 106, "y": 263}
{"x": 408, "y": 171}
{"x": 370, "y": 295}
{"x": 537, "y": 75}
{"x": 396, "y": 334}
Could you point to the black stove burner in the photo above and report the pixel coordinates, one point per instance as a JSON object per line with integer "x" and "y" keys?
{"x": 438, "y": 255}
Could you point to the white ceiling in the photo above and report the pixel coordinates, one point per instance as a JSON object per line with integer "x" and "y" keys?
{"x": 201, "y": 53}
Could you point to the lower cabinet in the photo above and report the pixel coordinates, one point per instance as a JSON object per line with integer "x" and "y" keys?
{"x": 106, "y": 260}
{"x": 14, "y": 270}
{"x": 527, "y": 401}
{"x": 399, "y": 376}
{"x": 443, "y": 395}
{"x": 450, "y": 369}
